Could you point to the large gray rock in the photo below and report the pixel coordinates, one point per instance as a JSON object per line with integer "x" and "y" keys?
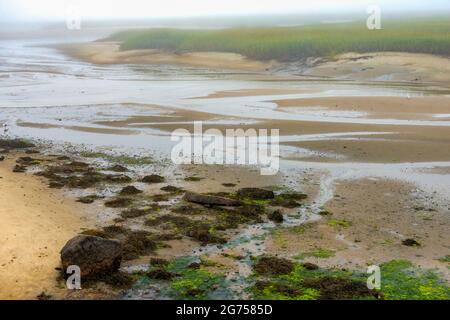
{"x": 210, "y": 200}
{"x": 94, "y": 255}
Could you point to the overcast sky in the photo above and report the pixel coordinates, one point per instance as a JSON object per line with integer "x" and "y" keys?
{"x": 30, "y": 10}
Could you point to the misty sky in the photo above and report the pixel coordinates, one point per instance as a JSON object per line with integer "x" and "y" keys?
{"x": 29, "y": 10}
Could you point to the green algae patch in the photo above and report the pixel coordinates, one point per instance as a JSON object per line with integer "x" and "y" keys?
{"x": 280, "y": 291}
{"x": 317, "y": 253}
{"x": 195, "y": 284}
{"x": 191, "y": 282}
{"x": 339, "y": 223}
{"x": 401, "y": 280}
{"x": 119, "y": 158}
{"x": 307, "y": 284}
{"x": 279, "y": 238}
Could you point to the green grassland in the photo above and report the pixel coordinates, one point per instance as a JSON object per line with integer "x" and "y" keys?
{"x": 294, "y": 43}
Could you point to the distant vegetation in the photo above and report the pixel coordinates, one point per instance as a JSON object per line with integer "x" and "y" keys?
{"x": 294, "y": 43}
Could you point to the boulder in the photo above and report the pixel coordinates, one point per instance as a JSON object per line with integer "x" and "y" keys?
{"x": 310, "y": 266}
{"x": 276, "y": 216}
{"x": 255, "y": 193}
{"x": 210, "y": 200}
{"x": 410, "y": 243}
{"x": 94, "y": 255}
{"x": 129, "y": 190}
{"x": 153, "y": 178}
{"x": 19, "y": 168}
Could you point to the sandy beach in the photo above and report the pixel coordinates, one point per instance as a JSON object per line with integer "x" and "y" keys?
{"x": 36, "y": 223}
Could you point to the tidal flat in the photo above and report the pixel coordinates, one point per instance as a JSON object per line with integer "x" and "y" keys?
{"x": 364, "y": 174}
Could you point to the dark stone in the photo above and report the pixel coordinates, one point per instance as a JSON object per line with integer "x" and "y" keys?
{"x": 171, "y": 189}
{"x": 410, "y": 243}
{"x": 118, "y": 178}
{"x": 93, "y": 255}
{"x": 118, "y": 203}
{"x": 19, "y": 168}
{"x": 276, "y": 216}
{"x": 229, "y": 185}
{"x": 130, "y": 190}
{"x": 194, "y": 265}
{"x": 160, "y": 274}
{"x": 153, "y": 178}
{"x": 55, "y": 185}
{"x": 88, "y": 199}
{"x": 210, "y": 200}
{"x": 255, "y": 193}
{"x": 310, "y": 266}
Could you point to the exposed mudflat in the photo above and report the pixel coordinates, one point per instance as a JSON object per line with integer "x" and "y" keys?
{"x": 371, "y": 151}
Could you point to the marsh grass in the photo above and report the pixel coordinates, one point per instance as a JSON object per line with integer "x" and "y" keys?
{"x": 293, "y": 43}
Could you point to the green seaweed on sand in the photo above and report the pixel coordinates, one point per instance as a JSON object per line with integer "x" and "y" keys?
{"x": 400, "y": 279}
{"x": 138, "y": 243}
{"x": 119, "y": 158}
{"x": 202, "y": 231}
{"x": 193, "y": 283}
{"x": 310, "y": 283}
{"x": 316, "y": 253}
{"x": 185, "y": 282}
{"x": 279, "y": 238}
{"x": 339, "y": 223}
{"x": 445, "y": 259}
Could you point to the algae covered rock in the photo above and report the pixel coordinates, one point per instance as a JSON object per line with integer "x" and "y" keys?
{"x": 94, "y": 255}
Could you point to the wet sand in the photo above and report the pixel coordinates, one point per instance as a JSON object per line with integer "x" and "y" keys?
{"x": 390, "y": 212}
{"x": 36, "y": 223}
